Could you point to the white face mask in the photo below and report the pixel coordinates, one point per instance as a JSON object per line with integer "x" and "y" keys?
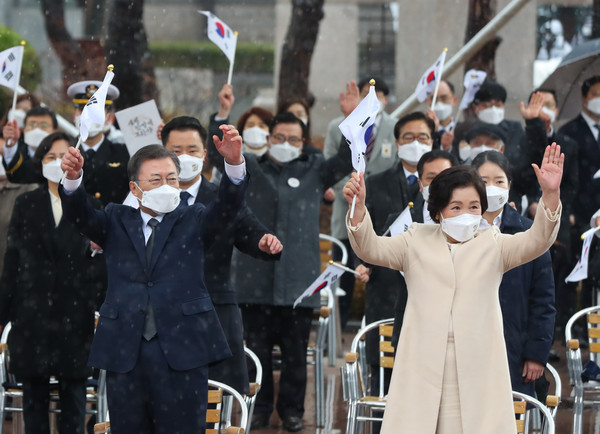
{"x": 52, "y": 171}
{"x": 18, "y": 115}
{"x": 425, "y": 193}
{"x": 468, "y": 153}
{"x": 255, "y": 137}
{"x": 496, "y": 197}
{"x": 190, "y": 167}
{"x": 284, "y": 152}
{"x": 34, "y": 137}
{"x": 442, "y": 110}
{"x": 462, "y": 227}
{"x": 94, "y": 129}
{"x": 412, "y": 152}
{"x": 551, "y": 113}
{"x": 491, "y": 115}
{"x": 593, "y": 105}
{"x": 161, "y": 200}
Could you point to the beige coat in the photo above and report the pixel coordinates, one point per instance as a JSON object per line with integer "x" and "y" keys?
{"x": 466, "y": 293}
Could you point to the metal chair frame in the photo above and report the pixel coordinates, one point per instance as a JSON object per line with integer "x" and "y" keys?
{"x": 250, "y": 398}
{"x": 355, "y": 380}
{"x": 591, "y": 389}
{"x": 522, "y": 400}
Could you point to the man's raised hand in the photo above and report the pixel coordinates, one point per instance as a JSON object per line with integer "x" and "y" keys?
{"x": 231, "y": 145}
{"x": 72, "y": 162}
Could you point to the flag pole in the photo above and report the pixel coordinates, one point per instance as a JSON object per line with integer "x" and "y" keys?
{"x": 230, "y": 75}
{"x": 438, "y": 80}
{"x": 15, "y": 89}
{"x": 343, "y": 267}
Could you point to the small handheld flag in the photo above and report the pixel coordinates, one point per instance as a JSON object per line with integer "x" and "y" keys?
{"x": 357, "y": 128}
{"x": 431, "y": 77}
{"x": 402, "y": 222}
{"x": 580, "y": 272}
{"x": 472, "y": 82}
{"x": 11, "y": 61}
{"x": 93, "y": 112}
{"x": 327, "y": 277}
{"x": 223, "y": 37}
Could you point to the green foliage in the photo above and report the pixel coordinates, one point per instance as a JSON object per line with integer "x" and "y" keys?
{"x": 31, "y": 71}
{"x": 249, "y": 57}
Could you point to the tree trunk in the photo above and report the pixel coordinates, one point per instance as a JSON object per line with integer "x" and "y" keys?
{"x": 480, "y": 13}
{"x": 127, "y": 49}
{"x": 298, "y": 48}
{"x": 596, "y": 20}
{"x": 94, "y": 18}
{"x": 71, "y": 56}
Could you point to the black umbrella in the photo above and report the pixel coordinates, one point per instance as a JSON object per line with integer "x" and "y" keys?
{"x": 581, "y": 63}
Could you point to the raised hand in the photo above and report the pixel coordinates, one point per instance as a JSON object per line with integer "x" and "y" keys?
{"x": 356, "y": 187}
{"x": 270, "y": 244}
{"x": 231, "y": 145}
{"x": 536, "y": 102}
{"x": 72, "y": 162}
{"x": 226, "y": 101}
{"x": 350, "y": 99}
{"x": 550, "y": 175}
{"x": 431, "y": 115}
{"x": 11, "y": 131}
{"x": 159, "y": 130}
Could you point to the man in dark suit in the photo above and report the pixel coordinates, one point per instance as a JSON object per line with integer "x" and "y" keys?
{"x": 185, "y": 137}
{"x": 585, "y": 131}
{"x": 158, "y": 329}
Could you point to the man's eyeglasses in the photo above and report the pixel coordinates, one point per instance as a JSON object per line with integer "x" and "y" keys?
{"x": 280, "y": 138}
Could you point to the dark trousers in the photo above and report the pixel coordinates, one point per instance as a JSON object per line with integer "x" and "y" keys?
{"x": 289, "y": 328}
{"x": 36, "y": 399}
{"x": 153, "y": 398}
{"x": 346, "y": 282}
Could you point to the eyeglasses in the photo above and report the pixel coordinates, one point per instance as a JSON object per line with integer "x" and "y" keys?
{"x": 157, "y": 181}
{"x": 280, "y": 138}
{"x": 30, "y": 125}
{"x": 410, "y": 137}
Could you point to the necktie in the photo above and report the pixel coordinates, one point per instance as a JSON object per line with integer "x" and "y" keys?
{"x": 185, "y": 197}
{"x": 149, "y": 324}
{"x": 597, "y": 126}
{"x": 90, "y": 154}
{"x": 411, "y": 179}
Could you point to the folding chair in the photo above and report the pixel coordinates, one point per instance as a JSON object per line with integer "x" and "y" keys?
{"x": 250, "y": 398}
{"x": 522, "y": 413}
{"x": 363, "y": 403}
{"x": 583, "y": 393}
{"x": 13, "y": 390}
{"x": 553, "y": 400}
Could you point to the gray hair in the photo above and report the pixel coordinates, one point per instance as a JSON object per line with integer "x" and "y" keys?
{"x": 150, "y": 152}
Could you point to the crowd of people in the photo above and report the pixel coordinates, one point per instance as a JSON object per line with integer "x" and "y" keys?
{"x": 195, "y": 246}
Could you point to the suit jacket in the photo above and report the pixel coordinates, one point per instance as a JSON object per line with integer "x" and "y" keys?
{"x": 588, "y": 196}
{"x": 383, "y": 157}
{"x": 462, "y": 291}
{"x": 104, "y": 176}
{"x": 188, "y": 329}
{"x": 527, "y": 302}
{"x": 287, "y": 199}
{"x": 49, "y": 290}
{"x": 245, "y": 232}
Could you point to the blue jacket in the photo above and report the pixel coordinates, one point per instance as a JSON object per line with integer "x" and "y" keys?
{"x": 527, "y": 302}
{"x": 189, "y": 331}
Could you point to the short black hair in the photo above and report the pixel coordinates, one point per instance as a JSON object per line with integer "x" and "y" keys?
{"x": 288, "y": 118}
{"x": 42, "y": 111}
{"x": 588, "y": 83}
{"x": 150, "y": 152}
{"x": 443, "y": 185}
{"x": 450, "y": 85}
{"x": 380, "y": 84}
{"x": 545, "y": 90}
{"x": 414, "y": 116}
{"x": 183, "y": 123}
{"x": 46, "y": 145}
{"x": 498, "y": 158}
{"x": 490, "y": 90}
{"x": 436, "y": 154}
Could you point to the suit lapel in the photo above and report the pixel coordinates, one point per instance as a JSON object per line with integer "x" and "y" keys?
{"x": 205, "y": 194}
{"x": 133, "y": 225}
{"x": 162, "y": 234}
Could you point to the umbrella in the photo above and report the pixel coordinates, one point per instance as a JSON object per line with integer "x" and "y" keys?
{"x": 577, "y": 66}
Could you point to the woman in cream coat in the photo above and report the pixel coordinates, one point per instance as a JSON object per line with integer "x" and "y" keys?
{"x": 451, "y": 372}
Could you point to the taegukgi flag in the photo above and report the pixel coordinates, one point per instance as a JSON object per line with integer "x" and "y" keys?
{"x": 327, "y": 277}
{"x": 10, "y": 66}
{"x": 427, "y": 82}
{"x": 402, "y": 222}
{"x": 357, "y": 128}
{"x": 93, "y": 112}
{"x": 220, "y": 34}
{"x": 472, "y": 82}
{"x": 580, "y": 272}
